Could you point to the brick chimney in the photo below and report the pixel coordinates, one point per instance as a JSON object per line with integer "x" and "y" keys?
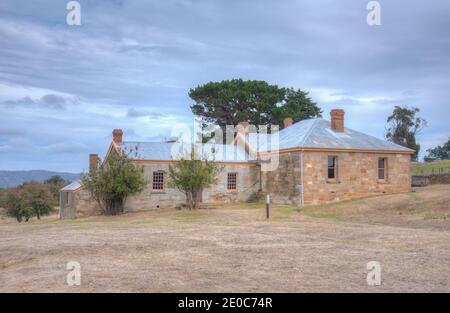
{"x": 117, "y": 136}
{"x": 93, "y": 162}
{"x": 288, "y": 122}
{"x": 337, "y": 120}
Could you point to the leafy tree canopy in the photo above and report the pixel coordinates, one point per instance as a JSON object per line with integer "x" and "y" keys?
{"x": 114, "y": 181}
{"x": 403, "y": 126}
{"x": 30, "y": 199}
{"x": 192, "y": 175}
{"x": 439, "y": 153}
{"x": 230, "y": 102}
{"x": 55, "y": 183}
{"x": 55, "y": 180}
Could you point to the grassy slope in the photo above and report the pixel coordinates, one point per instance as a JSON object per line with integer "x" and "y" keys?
{"x": 428, "y": 168}
{"x": 427, "y": 207}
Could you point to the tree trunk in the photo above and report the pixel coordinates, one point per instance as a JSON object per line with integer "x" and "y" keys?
{"x": 114, "y": 206}
{"x": 189, "y": 200}
{"x": 197, "y": 198}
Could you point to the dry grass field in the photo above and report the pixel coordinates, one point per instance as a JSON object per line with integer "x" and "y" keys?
{"x": 235, "y": 249}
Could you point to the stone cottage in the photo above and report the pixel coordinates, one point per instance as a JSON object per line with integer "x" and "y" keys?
{"x": 317, "y": 160}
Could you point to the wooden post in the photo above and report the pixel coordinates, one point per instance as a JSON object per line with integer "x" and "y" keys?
{"x": 267, "y": 205}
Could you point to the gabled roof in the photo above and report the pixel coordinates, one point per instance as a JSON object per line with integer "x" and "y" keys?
{"x": 317, "y": 133}
{"x": 164, "y": 151}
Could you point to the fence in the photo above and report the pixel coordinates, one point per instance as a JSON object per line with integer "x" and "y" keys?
{"x": 436, "y": 171}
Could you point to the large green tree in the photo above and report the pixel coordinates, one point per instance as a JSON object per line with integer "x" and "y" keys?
{"x": 403, "y": 126}
{"x": 439, "y": 153}
{"x": 296, "y": 105}
{"x": 113, "y": 181}
{"x": 230, "y": 102}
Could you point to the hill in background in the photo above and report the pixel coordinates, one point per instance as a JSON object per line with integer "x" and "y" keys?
{"x": 14, "y": 178}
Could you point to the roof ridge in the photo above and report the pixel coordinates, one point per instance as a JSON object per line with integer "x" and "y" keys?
{"x": 302, "y": 143}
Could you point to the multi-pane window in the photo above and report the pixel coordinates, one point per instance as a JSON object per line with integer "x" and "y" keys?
{"x": 158, "y": 181}
{"x": 382, "y": 168}
{"x": 232, "y": 181}
{"x": 332, "y": 167}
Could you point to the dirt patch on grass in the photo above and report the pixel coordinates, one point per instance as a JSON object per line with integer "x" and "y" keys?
{"x": 231, "y": 248}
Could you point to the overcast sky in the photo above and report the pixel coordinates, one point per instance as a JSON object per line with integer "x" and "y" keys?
{"x": 130, "y": 65}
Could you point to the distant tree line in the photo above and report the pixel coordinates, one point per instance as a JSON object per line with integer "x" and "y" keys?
{"x": 439, "y": 152}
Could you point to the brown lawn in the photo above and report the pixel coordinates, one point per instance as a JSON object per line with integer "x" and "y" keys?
{"x": 234, "y": 249}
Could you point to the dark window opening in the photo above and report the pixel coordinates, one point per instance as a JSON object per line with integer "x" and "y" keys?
{"x": 382, "y": 162}
{"x": 232, "y": 181}
{"x": 332, "y": 167}
{"x": 158, "y": 181}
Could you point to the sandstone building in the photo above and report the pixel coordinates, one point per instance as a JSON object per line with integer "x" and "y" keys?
{"x": 317, "y": 161}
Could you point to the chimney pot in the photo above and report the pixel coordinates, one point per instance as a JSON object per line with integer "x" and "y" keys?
{"x": 93, "y": 162}
{"x": 337, "y": 120}
{"x": 117, "y": 136}
{"x": 288, "y": 122}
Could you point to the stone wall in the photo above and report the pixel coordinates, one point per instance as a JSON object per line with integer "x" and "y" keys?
{"x": 357, "y": 177}
{"x": 86, "y": 206}
{"x": 430, "y": 179}
{"x": 148, "y": 199}
{"x": 284, "y": 183}
{"x": 420, "y": 180}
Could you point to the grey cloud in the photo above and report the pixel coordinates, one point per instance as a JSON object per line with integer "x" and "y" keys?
{"x": 51, "y": 101}
{"x": 54, "y": 100}
{"x": 12, "y": 132}
{"x": 136, "y": 52}
{"x": 133, "y": 113}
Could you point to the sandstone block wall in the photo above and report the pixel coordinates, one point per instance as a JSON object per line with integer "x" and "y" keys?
{"x": 247, "y": 184}
{"x": 357, "y": 177}
{"x": 284, "y": 183}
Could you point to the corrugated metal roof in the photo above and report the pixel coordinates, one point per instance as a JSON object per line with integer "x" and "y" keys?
{"x": 317, "y": 133}
{"x": 72, "y": 186}
{"x": 165, "y": 151}
{"x": 310, "y": 133}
